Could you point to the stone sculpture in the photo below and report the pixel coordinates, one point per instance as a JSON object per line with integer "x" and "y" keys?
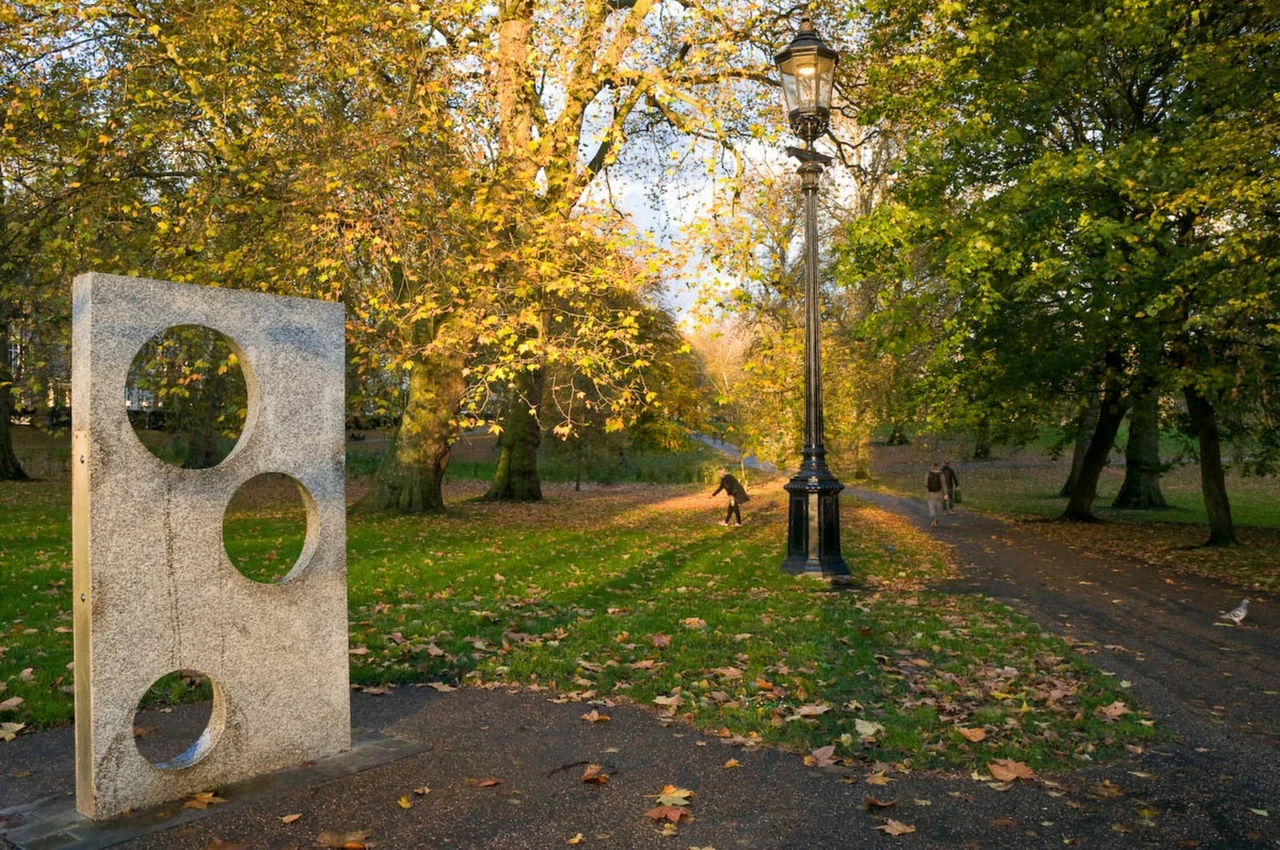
{"x": 154, "y": 590}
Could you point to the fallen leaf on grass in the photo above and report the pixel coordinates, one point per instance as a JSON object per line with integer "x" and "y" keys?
{"x": 484, "y": 783}
{"x": 354, "y": 840}
{"x": 813, "y": 709}
{"x": 593, "y": 774}
{"x": 203, "y": 800}
{"x": 28, "y": 674}
{"x": 693, "y": 623}
{"x": 1113, "y": 712}
{"x": 974, "y": 735}
{"x": 873, "y": 803}
{"x": 288, "y": 819}
{"x": 729, "y": 673}
{"x": 866, "y": 729}
{"x": 821, "y": 757}
{"x": 895, "y": 827}
{"x": 594, "y": 716}
{"x": 1007, "y": 770}
{"x": 11, "y": 704}
{"x": 660, "y": 640}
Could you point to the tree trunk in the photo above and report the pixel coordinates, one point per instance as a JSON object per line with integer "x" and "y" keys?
{"x": 898, "y": 435}
{"x": 516, "y": 479}
{"x": 410, "y": 477}
{"x": 203, "y": 410}
{"x": 1111, "y": 412}
{"x": 1142, "y": 469}
{"x": 862, "y": 456}
{"x": 982, "y": 445}
{"x": 1084, "y": 434}
{"x": 1213, "y": 485}
{"x": 10, "y": 468}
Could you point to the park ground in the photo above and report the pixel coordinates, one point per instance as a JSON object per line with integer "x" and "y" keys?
{"x": 984, "y": 723}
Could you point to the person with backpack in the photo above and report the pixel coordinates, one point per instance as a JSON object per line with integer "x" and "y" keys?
{"x": 950, "y": 487}
{"x": 737, "y": 495}
{"x": 934, "y": 493}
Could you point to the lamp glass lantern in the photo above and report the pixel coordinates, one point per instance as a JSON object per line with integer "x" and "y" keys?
{"x": 808, "y": 69}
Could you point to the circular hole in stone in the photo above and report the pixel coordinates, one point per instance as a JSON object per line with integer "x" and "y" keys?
{"x": 172, "y": 725}
{"x": 186, "y": 396}
{"x": 264, "y": 527}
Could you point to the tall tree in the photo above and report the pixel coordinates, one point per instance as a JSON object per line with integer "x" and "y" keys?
{"x": 1093, "y": 180}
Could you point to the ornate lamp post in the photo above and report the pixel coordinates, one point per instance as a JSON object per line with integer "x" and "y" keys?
{"x": 807, "y": 67}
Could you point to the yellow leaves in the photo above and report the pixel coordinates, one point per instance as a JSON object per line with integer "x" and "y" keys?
{"x": 731, "y": 764}
{"x": 577, "y": 839}
{"x": 672, "y": 805}
{"x": 404, "y": 802}
{"x": 203, "y": 800}
{"x": 9, "y": 731}
{"x": 867, "y": 730}
{"x": 878, "y": 778}
{"x": 288, "y": 819}
{"x": 594, "y": 716}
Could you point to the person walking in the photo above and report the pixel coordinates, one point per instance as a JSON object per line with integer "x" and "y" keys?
{"x": 737, "y": 495}
{"x": 950, "y": 483}
{"x": 933, "y": 493}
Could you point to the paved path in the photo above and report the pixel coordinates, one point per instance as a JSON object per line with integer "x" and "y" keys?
{"x": 1160, "y": 626}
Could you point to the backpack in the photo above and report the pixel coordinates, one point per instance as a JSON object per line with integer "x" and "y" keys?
{"x": 934, "y": 482}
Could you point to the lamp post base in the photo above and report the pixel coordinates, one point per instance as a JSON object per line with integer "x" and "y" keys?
{"x": 813, "y": 526}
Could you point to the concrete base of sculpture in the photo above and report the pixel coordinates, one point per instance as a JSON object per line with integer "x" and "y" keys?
{"x": 154, "y": 590}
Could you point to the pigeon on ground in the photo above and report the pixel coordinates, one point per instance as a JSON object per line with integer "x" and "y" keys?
{"x": 1237, "y": 614}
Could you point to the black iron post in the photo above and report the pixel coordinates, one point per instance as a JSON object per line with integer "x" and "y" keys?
{"x": 813, "y": 526}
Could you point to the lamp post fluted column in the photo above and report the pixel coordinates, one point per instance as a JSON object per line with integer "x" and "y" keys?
{"x": 813, "y": 522}
{"x": 806, "y": 70}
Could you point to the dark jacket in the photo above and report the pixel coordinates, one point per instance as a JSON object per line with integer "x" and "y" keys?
{"x": 950, "y": 480}
{"x": 730, "y": 485}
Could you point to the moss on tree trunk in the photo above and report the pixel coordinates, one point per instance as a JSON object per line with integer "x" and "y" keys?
{"x": 1213, "y": 484}
{"x": 410, "y": 478}
{"x": 516, "y": 478}
{"x": 1142, "y": 468}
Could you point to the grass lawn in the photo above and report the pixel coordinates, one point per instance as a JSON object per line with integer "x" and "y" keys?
{"x": 1023, "y": 484}
{"x": 633, "y": 592}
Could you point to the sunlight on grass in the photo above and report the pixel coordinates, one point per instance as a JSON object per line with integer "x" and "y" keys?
{"x": 636, "y": 593}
